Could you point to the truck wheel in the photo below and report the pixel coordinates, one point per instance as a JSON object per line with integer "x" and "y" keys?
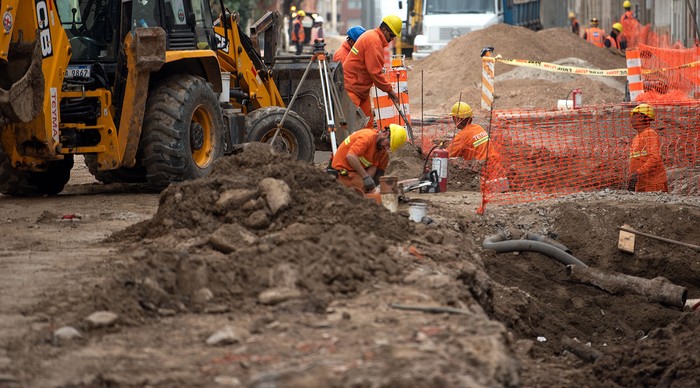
{"x": 182, "y": 130}
{"x": 135, "y": 174}
{"x": 294, "y": 137}
{"x": 30, "y": 183}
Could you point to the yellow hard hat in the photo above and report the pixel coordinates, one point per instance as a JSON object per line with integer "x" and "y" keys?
{"x": 394, "y": 22}
{"x": 461, "y": 110}
{"x": 301, "y": 13}
{"x": 572, "y": 15}
{"x": 644, "y": 109}
{"x": 627, "y": 4}
{"x": 594, "y": 21}
{"x": 293, "y": 8}
{"x": 397, "y": 136}
{"x": 618, "y": 26}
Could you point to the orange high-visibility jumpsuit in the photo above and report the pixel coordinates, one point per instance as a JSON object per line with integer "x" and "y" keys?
{"x": 646, "y": 162}
{"x": 594, "y": 35}
{"x": 363, "y": 144}
{"x": 342, "y": 52}
{"x": 630, "y": 28}
{"x": 363, "y": 68}
{"x": 472, "y": 143}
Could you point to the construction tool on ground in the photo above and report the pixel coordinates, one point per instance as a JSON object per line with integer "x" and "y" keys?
{"x": 626, "y": 239}
{"x": 148, "y": 91}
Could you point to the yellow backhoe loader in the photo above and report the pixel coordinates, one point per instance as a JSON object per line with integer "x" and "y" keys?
{"x": 147, "y": 90}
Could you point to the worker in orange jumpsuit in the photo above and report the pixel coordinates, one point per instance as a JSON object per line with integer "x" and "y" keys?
{"x": 363, "y": 66}
{"x": 298, "y": 34}
{"x": 575, "y": 26}
{"x": 354, "y": 33}
{"x": 630, "y": 24}
{"x": 364, "y": 155}
{"x": 593, "y": 34}
{"x": 472, "y": 143}
{"x": 646, "y": 165}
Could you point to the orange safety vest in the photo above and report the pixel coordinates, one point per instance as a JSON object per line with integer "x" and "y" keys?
{"x": 364, "y": 66}
{"x": 300, "y": 35}
{"x": 612, "y": 41}
{"x": 595, "y": 35}
{"x": 646, "y": 162}
{"x": 472, "y": 142}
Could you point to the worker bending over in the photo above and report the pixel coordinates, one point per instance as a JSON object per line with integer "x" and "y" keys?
{"x": 363, "y": 66}
{"x": 364, "y": 155}
{"x": 354, "y": 33}
{"x": 646, "y": 165}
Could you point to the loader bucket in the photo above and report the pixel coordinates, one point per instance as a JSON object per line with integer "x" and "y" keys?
{"x": 288, "y": 71}
{"x": 21, "y": 83}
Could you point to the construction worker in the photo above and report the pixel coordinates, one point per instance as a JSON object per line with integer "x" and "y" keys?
{"x": 646, "y": 165}
{"x": 472, "y": 141}
{"x": 363, "y": 67}
{"x": 593, "y": 34}
{"x": 364, "y": 155}
{"x": 630, "y": 24}
{"x": 615, "y": 40}
{"x": 298, "y": 34}
{"x": 317, "y": 31}
{"x": 354, "y": 33}
{"x": 575, "y": 27}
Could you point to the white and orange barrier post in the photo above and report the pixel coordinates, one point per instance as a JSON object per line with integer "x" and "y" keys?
{"x": 487, "y": 76}
{"x": 385, "y": 112}
{"x": 634, "y": 73}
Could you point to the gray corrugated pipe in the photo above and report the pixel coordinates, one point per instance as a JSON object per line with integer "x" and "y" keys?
{"x": 499, "y": 242}
{"x": 547, "y": 240}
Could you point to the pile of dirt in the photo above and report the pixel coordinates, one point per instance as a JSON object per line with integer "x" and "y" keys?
{"x": 264, "y": 228}
{"x": 456, "y": 70}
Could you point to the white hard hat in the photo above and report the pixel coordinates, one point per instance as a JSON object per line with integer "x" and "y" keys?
{"x": 319, "y": 19}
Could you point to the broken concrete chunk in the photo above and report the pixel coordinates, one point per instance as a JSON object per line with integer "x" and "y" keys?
{"x": 226, "y": 336}
{"x": 102, "y": 319}
{"x": 66, "y": 334}
{"x": 276, "y": 193}
{"x": 257, "y": 220}
{"x": 230, "y": 237}
{"x": 273, "y": 296}
{"x": 234, "y": 198}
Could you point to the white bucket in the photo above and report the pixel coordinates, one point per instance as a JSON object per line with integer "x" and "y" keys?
{"x": 565, "y": 104}
{"x": 225, "y": 95}
{"x": 417, "y": 210}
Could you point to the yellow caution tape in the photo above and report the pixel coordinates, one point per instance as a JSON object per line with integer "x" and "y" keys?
{"x": 553, "y": 67}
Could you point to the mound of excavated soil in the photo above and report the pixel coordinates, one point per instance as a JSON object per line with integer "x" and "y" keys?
{"x": 457, "y": 69}
{"x": 264, "y": 223}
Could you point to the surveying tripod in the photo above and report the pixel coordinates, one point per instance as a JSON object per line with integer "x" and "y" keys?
{"x": 330, "y": 93}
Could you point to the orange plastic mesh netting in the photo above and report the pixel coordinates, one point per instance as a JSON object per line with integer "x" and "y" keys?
{"x": 550, "y": 153}
{"x": 669, "y": 74}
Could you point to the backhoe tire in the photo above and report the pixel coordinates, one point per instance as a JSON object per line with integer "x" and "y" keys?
{"x": 136, "y": 174}
{"x": 294, "y": 137}
{"x": 34, "y": 183}
{"x": 183, "y": 130}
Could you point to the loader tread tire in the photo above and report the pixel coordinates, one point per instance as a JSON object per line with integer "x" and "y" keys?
{"x": 294, "y": 138}
{"x": 135, "y": 174}
{"x": 183, "y": 130}
{"x": 34, "y": 183}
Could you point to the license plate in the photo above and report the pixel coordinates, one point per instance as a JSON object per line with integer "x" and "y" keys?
{"x": 82, "y": 71}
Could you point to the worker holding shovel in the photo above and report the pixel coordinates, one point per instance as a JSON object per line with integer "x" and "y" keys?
{"x": 646, "y": 165}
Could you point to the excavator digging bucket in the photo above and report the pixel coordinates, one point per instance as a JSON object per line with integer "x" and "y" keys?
{"x": 349, "y": 118}
{"x": 21, "y": 83}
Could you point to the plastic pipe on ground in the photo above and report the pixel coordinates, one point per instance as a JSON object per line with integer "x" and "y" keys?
{"x": 658, "y": 289}
{"x": 546, "y": 240}
{"x": 501, "y": 244}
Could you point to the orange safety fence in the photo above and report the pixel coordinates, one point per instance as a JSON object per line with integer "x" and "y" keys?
{"x": 669, "y": 74}
{"x": 546, "y": 154}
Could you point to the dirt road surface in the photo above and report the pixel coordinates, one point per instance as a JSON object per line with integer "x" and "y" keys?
{"x": 228, "y": 281}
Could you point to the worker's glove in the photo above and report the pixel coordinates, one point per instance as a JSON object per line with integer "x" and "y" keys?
{"x": 632, "y": 185}
{"x": 369, "y": 183}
